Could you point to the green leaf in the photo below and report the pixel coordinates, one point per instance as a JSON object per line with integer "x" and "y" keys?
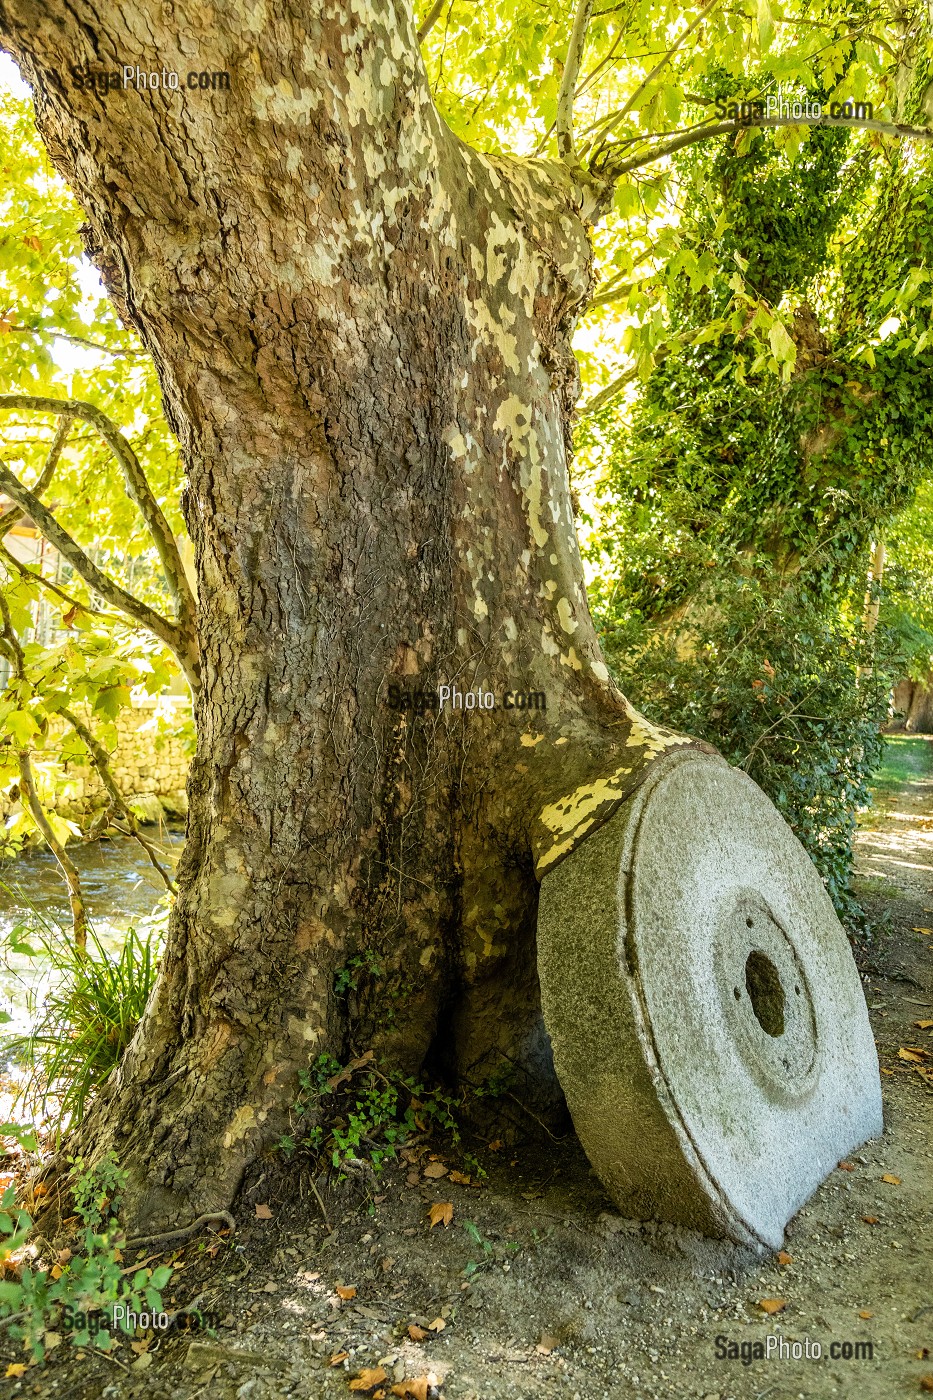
{"x": 22, "y": 726}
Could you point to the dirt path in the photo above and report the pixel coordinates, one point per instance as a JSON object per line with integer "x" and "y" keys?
{"x": 539, "y": 1289}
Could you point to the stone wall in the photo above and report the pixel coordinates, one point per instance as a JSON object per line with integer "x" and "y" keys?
{"x": 149, "y": 764}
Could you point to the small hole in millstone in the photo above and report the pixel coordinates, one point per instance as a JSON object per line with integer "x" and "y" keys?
{"x": 738, "y": 994}
{"x": 749, "y": 923}
{"x": 796, "y": 990}
{"x": 763, "y": 984}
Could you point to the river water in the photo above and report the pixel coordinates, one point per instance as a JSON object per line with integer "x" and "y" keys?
{"x": 122, "y": 890}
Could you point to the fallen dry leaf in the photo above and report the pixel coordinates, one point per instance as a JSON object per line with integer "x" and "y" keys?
{"x": 349, "y": 1070}
{"x": 338, "y": 1356}
{"x": 784, "y": 1257}
{"x": 772, "y": 1305}
{"x": 346, "y": 1292}
{"x": 547, "y": 1344}
{"x": 56, "y": 1270}
{"x": 435, "y": 1170}
{"x": 866, "y": 1313}
{"x": 416, "y": 1389}
{"x": 263, "y": 1213}
{"x": 923, "y": 1025}
{"x": 417, "y": 1334}
{"x": 926, "y": 1383}
{"x": 460, "y": 1180}
{"x": 441, "y": 1213}
{"x": 871, "y": 1220}
{"x": 437, "y": 1325}
{"x": 16, "y": 1368}
{"x": 847, "y": 1166}
{"x": 915, "y": 929}
{"x": 496, "y": 1145}
{"x": 891, "y": 1179}
{"x": 903, "y": 1054}
{"x": 369, "y": 1378}
{"x": 40, "y": 1189}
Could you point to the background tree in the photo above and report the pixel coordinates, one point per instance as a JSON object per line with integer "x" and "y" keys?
{"x": 360, "y": 315}
{"x": 740, "y": 512}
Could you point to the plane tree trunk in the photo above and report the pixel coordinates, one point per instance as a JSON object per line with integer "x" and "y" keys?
{"x": 361, "y": 329}
{"x": 914, "y": 700}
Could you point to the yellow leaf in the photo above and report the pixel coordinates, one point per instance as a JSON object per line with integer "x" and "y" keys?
{"x": 338, "y": 1356}
{"x": 921, "y": 930}
{"x": 416, "y": 1389}
{"x": 903, "y": 1054}
{"x": 784, "y": 1257}
{"x": 923, "y": 1025}
{"x": 417, "y": 1334}
{"x": 891, "y": 1179}
{"x": 459, "y": 1179}
{"x": 56, "y": 1271}
{"x": 871, "y": 1220}
{"x": 369, "y": 1378}
{"x": 772, "y": 1305}
{"x": 437, "y": 1325}
{"x": 865, "y": 1313}
{"x": 346, "y": 1292}
{"x": 441, "y": 1213}
{"x": 16, "y": 1368}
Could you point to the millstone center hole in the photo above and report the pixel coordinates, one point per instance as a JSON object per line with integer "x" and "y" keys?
{"x": 763, "y": 984}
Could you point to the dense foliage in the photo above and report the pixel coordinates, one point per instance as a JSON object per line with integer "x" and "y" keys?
{"x": 739, "y": 508}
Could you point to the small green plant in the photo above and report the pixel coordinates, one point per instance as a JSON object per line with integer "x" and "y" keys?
{"x": 85, "y": 1014}
{"x": 348, "y": 977}
{"x": 79, "y": 1295}
{"x": 97, "y": 1189}
{"x": 486, "y": 1246}
{"x": 348, "y": 1113}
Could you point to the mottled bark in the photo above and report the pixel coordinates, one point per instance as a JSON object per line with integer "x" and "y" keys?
{"x": 914, "y": 702}
{"x": 361, "y": 328}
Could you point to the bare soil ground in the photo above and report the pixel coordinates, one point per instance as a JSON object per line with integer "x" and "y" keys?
{"x": 537, "y": 1288}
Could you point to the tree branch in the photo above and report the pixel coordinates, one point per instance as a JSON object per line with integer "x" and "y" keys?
{"x": 614, "y": 120}
{"x": 101, "y": 760}
{"x": 568, "y": 83}
{"x": 611, "y": 169}
{"x": 39, "y": 815}
{"x": 137, "y": 488}
{"x": 15, "y": 514}
{"x": 430, "y": 19}
{"x": 66, "y": 864}
{"x": 78, "y": 340}
{"x": 615, "y": 386}
{"x": 170, "y": 633}
{"x": 11, "y": 562}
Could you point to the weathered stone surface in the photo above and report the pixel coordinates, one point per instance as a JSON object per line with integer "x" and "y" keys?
{"x": 707, "y": 1018}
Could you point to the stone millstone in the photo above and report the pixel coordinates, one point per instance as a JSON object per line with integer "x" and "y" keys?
{"x": 707, "y": 1019}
